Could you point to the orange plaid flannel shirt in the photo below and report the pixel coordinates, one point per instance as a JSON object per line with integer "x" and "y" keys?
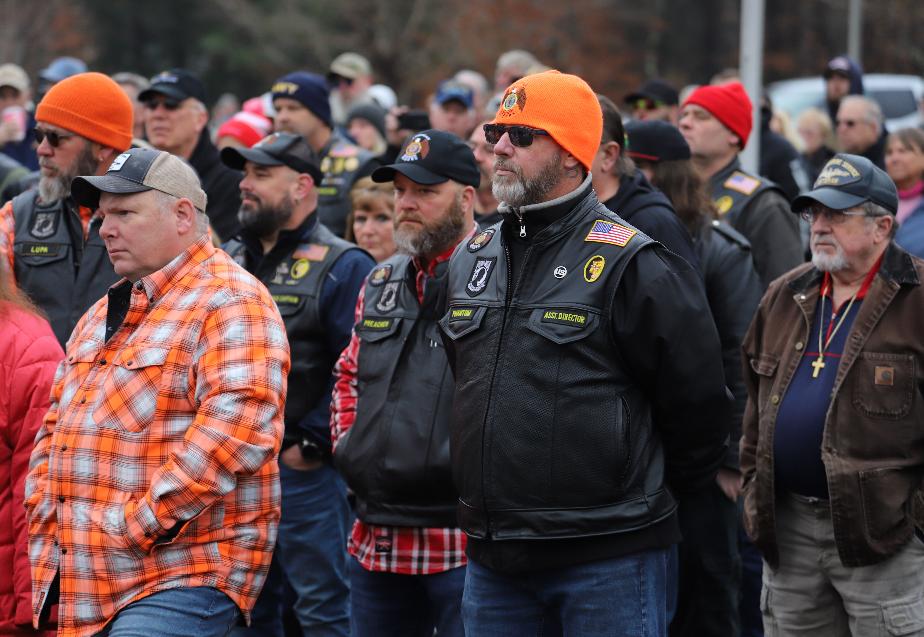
{"x": 156, "y": 466}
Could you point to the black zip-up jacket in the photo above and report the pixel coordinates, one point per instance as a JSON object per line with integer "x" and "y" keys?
{"x": 221, "y": 184}
{"x": 588, "y": 379}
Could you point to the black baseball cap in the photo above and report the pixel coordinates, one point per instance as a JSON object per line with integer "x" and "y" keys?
{"x": 847, "y": 181}
{"x": 176, "y": 83}
{"x": 433, "y": 157}
{"x": 139, "y": 170}
{"x": 654, "y": 140}
{"x": 655, "y": 90}
{"x": 278, "y": 149}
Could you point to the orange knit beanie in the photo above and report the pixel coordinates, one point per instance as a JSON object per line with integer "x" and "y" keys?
{"x": 91, "y": 105}
{"x": 562, "y": 105}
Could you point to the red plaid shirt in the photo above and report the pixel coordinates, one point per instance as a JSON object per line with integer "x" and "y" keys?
{"x": 391, "y": 549}
{"x": 155, "y": 467}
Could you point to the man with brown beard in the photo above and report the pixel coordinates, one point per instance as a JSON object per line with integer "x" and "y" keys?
{"x": 53, "y": 246}
{"x": 393, "y": 400}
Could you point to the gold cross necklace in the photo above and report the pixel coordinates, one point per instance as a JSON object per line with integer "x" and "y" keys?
{"x": 819, "y": 363}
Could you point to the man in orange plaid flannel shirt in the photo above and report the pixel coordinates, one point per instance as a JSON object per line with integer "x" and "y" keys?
{"x": 153, "y": 490}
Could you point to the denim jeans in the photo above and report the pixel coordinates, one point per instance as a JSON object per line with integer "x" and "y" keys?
{"x": 178, "y": 612}
{"x": 310, "y": 557}
{"x": 394, "y": 605}
{"x": 619, "y": 597}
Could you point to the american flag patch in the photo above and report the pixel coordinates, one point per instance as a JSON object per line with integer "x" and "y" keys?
{"x": 742, "y": 183}
{"x": 313, "y": 252}
{"x": 609, "y": 232}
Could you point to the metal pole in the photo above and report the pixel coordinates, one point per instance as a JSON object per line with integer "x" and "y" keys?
{"x": 854, "y": 24}
{"x": 751, "y": 70}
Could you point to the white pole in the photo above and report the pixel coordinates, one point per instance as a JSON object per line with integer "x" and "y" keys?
{"x": 854, "y": 24}
{"x": 751, "y": 69}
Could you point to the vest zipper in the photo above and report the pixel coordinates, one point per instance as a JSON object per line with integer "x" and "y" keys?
{"x": 519, "y": 214}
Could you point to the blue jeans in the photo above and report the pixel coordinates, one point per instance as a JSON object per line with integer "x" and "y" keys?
{"x": 178, "y": 612}
{"x": 620, "y": 597}
{"x": 393, "y": 605}
{"x": 310, "y": 557}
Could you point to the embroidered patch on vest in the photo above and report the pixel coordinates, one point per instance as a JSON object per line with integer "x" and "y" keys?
{"x": 286, "y": 299}
{"x": 312, "y": 252}
{"x": 609, "y": 232}
{"x": 574, "y": 318}
{"x": 593, "y": 269}
{"x": 723, "y": 204}
{"x": 299, "y": 269}
{"x": 739, "y": 182}
{"x": 380, "y": 275}
{"x": 461, "y": 314}
{"x": 39, "y": 249}
{"x": 376, "y": 324}
{"x": 480, "y": 276}
{"x": 480, "y": 240}
{"x": 44, "y": 225}
{"x": 884, "y": 375}
{"x": 389, "y": 298}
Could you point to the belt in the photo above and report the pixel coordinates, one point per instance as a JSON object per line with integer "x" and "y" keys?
{"x": 807, "y": 499}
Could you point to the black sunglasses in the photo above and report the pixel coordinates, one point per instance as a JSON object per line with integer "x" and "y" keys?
{"x": 520, "y": 136}
{"x": 54, "y": 139}
{"x": 168, "y": 103}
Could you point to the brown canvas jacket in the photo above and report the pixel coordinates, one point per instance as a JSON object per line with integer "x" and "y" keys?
{"x": 873, "y": 441}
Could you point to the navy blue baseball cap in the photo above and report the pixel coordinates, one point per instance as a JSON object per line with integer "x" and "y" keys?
{"x": 453, "y": 91}
{"x": 139, "y": 170}
{"x": 176, "y": 83}
{"x": 847, "y": 181}
{"x": 433, "y": 157}
{"x": 278, "y": 149}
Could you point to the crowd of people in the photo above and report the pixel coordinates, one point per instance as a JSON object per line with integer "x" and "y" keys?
{"x": 529, "y": 360}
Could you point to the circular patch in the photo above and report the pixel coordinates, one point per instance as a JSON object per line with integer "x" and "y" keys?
{"x": 480, "y": 240}
{"x": 560, "y": 272}
{"x": 380, "y": 275}
{"x": 417, "y": 148}
{"x": 723, "y": 204}
{"x": 351, "y": 163}
{"x": 510, "y": 101}
{"x": 325, "y": 165}
{"x": 300, "y": 269}
{"x": 593, "y": 269}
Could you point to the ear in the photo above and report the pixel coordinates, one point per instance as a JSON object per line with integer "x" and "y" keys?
{"x": 468, "y": 199}
{"x": 611, "y": 152}
{"x": 302, "y": 186}
{"x": 202, "y": 118}
{"x": 104, "y": 156}
{"x": 884, "y": 228}
{"x": 185, "y": 214}
{"x": 571, "y": 162}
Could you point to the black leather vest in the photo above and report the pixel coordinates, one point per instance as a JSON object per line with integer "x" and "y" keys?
{"x": 342, "y": 164}
{"x": 551, "y": 438}
{"x": 60, "y": 277}
{"x": 296, "y": 288}
{"x": 733, "y": 190}
{"x": 395, "y": 457}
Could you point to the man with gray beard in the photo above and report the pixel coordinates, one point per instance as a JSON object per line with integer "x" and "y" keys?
{"x": 51, "y": 244}
{"x": 314, "y": 278}
{"x": 393, "y": 400}
{"x": 832, "y": 450}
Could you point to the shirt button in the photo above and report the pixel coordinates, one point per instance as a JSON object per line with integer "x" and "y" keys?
{"x": 799, "y": 346}
{"x": 139, "y": 285}
{"x": 102, "y": 361}
{"x": 83, "y": 400}
{"x": 775, "y": 399}
{"x": 801, "y": 297}
{"x": 63, "y": 551}
{"x": 60, "y": 498}
{"x": 63, "y": 447}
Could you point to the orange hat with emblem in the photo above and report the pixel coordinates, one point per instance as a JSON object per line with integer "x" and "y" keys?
{"x": 91, "y": 105}
{"x": 562, "y": 105}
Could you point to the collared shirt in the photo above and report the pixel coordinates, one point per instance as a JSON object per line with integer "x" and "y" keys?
{"x": 392, "y": 549}
{"x": 800, "y": 422}
{"x": 156, "y": 465}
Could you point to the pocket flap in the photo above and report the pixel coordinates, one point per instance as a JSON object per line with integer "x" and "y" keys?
{"x": 141, "y": 357}
{"x": 765, "y": 365}
{"x": 462, "y": 319}
{"x": 562, "y": 324}
{"x": 904, "y": 617}
{"x": 376, "y": 328}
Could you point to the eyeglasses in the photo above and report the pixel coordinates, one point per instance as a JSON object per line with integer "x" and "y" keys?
{"x": 646, "y": 104}
{"x": 54, "y": 139}
{"x": 849, "y": 123}
{"x": 520, "y": 136}
{"x": 168, "y": 103}
{"x": 834, "y": 217}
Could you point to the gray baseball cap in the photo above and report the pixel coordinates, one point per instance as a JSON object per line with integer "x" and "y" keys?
{"x": 847, "y": 181}
{"x": 140, "y": 170}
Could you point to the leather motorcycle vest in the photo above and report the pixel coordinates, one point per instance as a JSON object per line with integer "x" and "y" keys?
{"x": 395, "y": 457}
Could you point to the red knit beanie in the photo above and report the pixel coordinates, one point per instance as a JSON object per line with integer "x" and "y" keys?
{"x": 562, "y": 105}
{"x": 91, "y": 105}
{"x": 728, "y": 103}
{"x": 247, "y": 128}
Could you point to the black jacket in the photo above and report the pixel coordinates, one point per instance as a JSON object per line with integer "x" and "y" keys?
{"x": 568, "y": 353}
{"x": 221, "y": 184}
{"x": 734, "y": 290}
{"x": 649, "y": 210}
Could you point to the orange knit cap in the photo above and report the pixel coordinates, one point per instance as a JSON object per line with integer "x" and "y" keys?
{"x": 562, "y": 105}
{"x": 91, "y": 105}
